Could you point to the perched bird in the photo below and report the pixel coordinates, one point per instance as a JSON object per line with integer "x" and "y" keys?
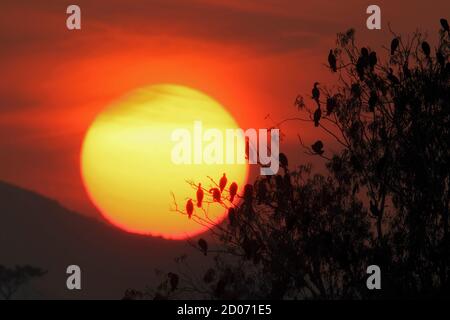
{"x": 283, "y": 160}
{"x": 360, "y": 67}
{"x": 373, "y": 100}
{"x": 199, "y": 195}
{"x": 233, "y": 191}
{"x": 316, "y": 92}
{"x": 216, "y": 194}
{"x": 444, "y": 24}
{"x": 317, "y": 116}
{"x": 317, "y": 147}
{"x": 189, "y": 208}
{"x": 364, "y": 52}
{"x": 232, "y": 216}
{"x": 373, "y": 60}
{"x": 392, "y": 78}
{"x": 426, "y": 49}
{"x": 203, "y": 246}
{"x": 362, "y": 63}
{"x": 223, "y": 182}
{"x": 332, "y": 61}
{"x": 394, "y": 45}
{"x": 174, "y": 279}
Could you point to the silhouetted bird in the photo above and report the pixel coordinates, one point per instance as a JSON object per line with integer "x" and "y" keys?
{"x": 317, "y": 116}
{"x": 373, "y": 60}
{"x": 316, "y": 92}
{"x": 317, "y": 147}
{"x": 392, "y": 78}
{"x": 332, "y": 61}
{"x": 189, "y": 208}
{"x": 363, "y": 62}
{"x": 223, "y": 182}
{"x": 361, "y": 65}
{"x": 283, "y": 160}
{"x": 373, "y": 100}
{"x": 364, "y": 52}
{"x": 199, "y": 195}
{"x": 232, "y": 216}
{"x": 444, "y": 24}
{"x": 426, "y": 49}
{"x": 394, "y": 45}
{"x": 203, "y": 246}
{"x": 233, "y": 190}
{"x": 215, "y": 193}
{"x": 331, "y": 105}
{"x": 174, "y": 279}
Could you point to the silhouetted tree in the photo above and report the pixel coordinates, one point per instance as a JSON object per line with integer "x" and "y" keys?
{"x": 384, "y": 200}
{"x": 12, "y": 279}
{"x": 392, "y": 121}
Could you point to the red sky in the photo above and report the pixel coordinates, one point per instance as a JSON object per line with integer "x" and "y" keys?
{"x": 252, "y": 56}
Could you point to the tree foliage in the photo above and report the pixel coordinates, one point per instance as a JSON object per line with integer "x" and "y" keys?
{"x": 384, "y": 199}
{"x": 12, "y": 279}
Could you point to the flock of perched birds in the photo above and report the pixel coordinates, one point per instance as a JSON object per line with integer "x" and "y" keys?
{"x": 215, "y": 192}
{"x": 370, "y": 59}
{"x": 367, "y": 60}
{"x": 217, "y": 197}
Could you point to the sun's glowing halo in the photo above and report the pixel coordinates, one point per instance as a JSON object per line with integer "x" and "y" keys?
{"x": 126, "y": 162}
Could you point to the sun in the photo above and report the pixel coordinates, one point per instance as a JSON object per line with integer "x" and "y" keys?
{"x": 126, "y": 162}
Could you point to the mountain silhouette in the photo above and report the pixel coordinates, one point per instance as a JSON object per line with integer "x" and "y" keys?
{"x": 39, "y": 231}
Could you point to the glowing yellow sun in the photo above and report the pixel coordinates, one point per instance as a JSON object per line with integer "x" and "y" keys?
{"x": 127, "y": 165}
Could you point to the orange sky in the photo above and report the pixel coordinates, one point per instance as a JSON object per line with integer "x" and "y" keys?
{"x": 252, "y": 56}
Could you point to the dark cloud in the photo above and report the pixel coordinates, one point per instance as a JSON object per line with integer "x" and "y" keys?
{"x": 212, "y": 22}
{"x": 39, "y": 23}
{"x": 269, "y": 25}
